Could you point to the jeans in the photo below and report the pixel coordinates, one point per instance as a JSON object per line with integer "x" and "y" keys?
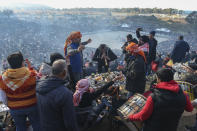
{"x": 20, "y": 117}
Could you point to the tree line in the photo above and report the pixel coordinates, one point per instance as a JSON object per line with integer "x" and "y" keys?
{"x": 7, "y": 13}
{"x": 132, "y": 10}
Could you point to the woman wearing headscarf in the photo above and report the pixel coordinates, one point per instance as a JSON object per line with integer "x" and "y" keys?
{"x": 135, "y": 70}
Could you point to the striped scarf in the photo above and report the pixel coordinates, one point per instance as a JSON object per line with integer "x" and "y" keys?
{"x": 133, "y": 48}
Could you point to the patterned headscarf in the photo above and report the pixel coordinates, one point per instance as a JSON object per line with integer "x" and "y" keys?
{"x": 81, "y": 87}
{"x": 72, "y": 36}
{"x": 133, "y": 48}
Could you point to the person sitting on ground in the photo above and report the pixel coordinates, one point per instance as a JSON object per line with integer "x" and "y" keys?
{"x": 165, "y": 105}
{"x": 135, "y": 70}
{"x": 55, "y": 102}
{"x": 19, "y": 85}
{"x": 45, "y": 69}
{"x": 103, "y": 55}
{"x": 84, "y": 97}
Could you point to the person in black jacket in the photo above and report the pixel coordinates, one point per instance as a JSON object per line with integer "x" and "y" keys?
{"x": 55, "y": 102}
{"x": 179, "y": 51}
{"x": 83, "y": 99}
{"x": 152, "y": 47}
{"x": 104, "y": 55}
{"x": 135, "y": 70}
{"x": 152, "y": 44}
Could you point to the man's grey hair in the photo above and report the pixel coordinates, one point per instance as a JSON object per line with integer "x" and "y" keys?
{"x": 58, "y": 67}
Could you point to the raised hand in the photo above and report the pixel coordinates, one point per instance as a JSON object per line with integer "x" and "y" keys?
{"x": 28, "y": 63}
{"x": 89, "y": 40}
{"x": 80, "y": 48}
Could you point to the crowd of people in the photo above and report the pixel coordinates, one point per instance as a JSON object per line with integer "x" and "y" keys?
{"x": 52, "y": 96}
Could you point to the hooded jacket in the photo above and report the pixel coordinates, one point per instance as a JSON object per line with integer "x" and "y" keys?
{"x": 55, "y": 105}
{"x": 19, "y": 86}
{"x": 163, "y": 108}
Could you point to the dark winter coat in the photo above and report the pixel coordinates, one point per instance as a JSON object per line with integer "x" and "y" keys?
{"x": 152, "y": 49}
{"x": 135, "y": 74}
{"x": 98, "y": 54}
{"x": 55, "y": 104}
{"x": 179, "y": 51}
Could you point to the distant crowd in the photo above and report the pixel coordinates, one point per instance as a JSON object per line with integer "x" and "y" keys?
{"x": 55, "y": 96}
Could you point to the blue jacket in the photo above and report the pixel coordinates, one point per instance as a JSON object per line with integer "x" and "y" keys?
{"x": 76, "y": 60}
{"x": 55, "y": 104}
{"x": 179, "y": 51}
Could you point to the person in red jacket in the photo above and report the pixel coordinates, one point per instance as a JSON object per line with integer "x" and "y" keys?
{"x": 164, "y": 106}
